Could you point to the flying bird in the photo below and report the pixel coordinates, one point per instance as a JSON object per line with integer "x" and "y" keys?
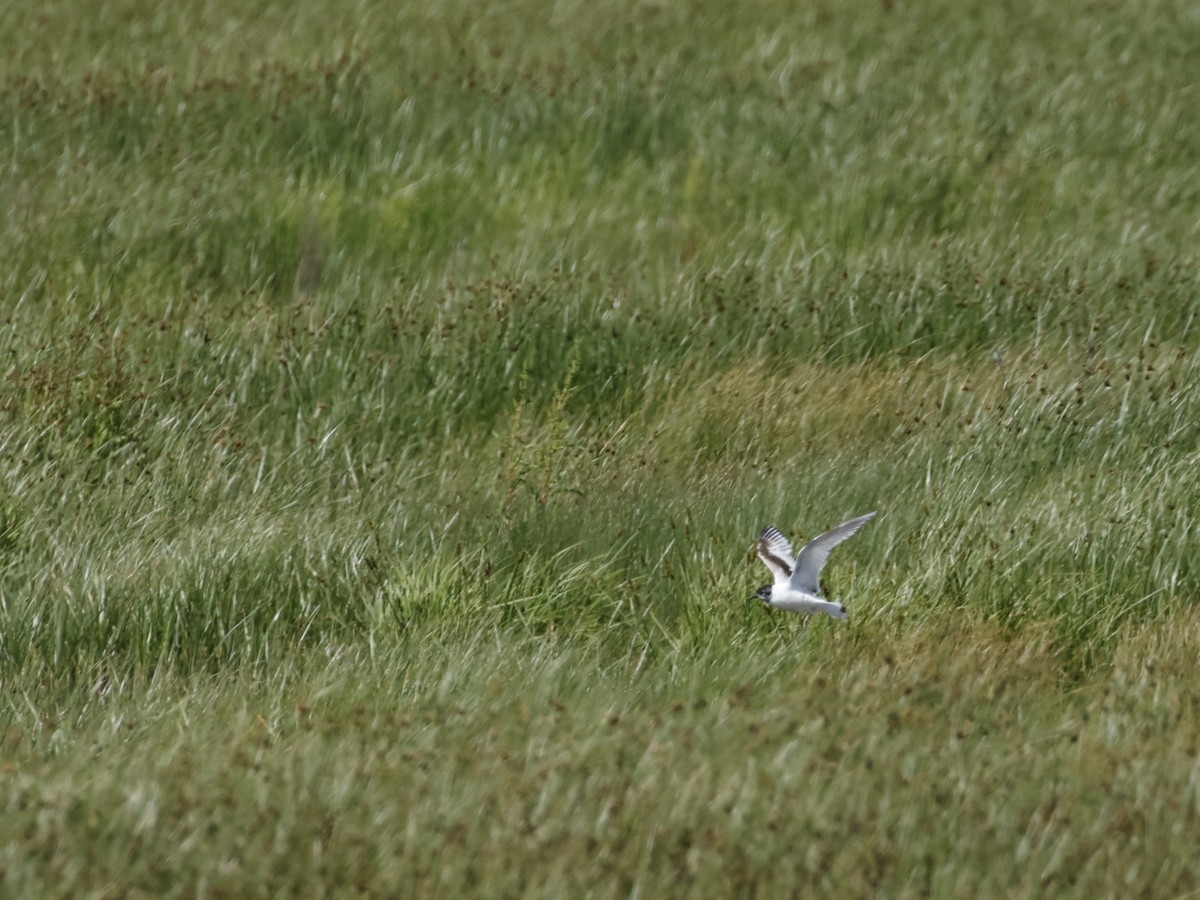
{"x": 797, "y": 584}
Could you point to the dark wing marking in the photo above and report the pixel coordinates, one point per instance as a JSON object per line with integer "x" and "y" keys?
{"x": 776, "y": 551}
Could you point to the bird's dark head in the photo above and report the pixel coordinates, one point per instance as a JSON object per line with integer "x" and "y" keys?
{"x": 763, "y": 594}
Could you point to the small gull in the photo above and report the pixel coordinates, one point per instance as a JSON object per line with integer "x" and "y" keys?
{"x": 797, "y": 584}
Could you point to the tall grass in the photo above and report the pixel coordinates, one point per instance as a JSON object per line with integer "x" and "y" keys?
{"x": 392, "y": 398}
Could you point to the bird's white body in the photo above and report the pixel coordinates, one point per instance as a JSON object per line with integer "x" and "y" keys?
{"x": 797, "y": 584}
{"x": 798, "y": 601}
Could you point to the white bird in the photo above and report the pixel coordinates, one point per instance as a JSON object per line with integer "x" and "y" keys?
{"x": 797, "y": 584}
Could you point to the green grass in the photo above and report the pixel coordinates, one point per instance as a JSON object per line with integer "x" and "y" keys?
{"x": 392, "y": 397}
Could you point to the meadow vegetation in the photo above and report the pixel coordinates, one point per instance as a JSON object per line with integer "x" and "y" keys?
{"x": 392, "y": 395}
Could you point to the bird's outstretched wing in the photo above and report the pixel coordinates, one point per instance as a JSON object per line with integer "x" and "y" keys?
{"x": 776, "y": 551}
{"x": 806, "y": 573}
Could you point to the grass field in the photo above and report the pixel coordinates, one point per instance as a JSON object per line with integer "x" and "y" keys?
{"x": 392, "y": 397}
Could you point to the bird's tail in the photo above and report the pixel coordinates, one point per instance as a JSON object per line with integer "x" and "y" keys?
{"x": 836, "y": 610}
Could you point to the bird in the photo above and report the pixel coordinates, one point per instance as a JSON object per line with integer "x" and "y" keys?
{"x": 797, "y": 584}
